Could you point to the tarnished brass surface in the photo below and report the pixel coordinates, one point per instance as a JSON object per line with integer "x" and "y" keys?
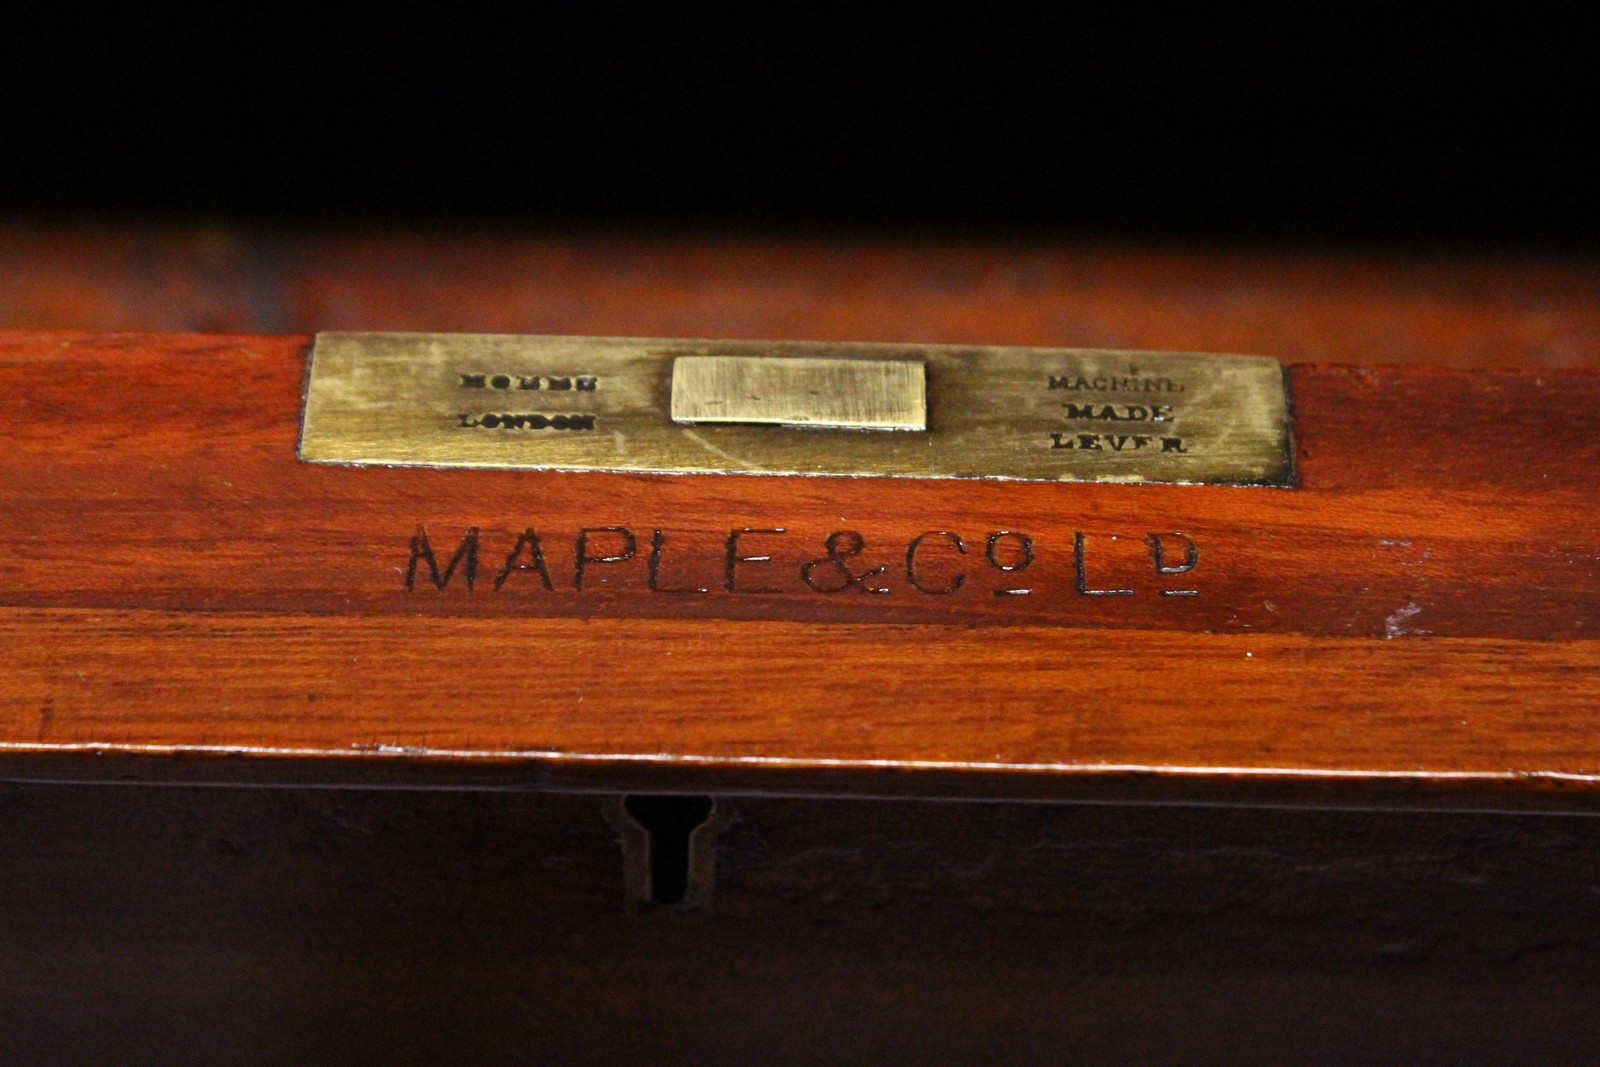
{"x": 843, "y": 394}
{"x": 591, "y": 403}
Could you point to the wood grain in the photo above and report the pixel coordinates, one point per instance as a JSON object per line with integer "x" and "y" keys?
{"x": 353, "y": 927}
{"x": 1330, "y": 305}
{"x": 1423, "y": 609}
{"x": 597, "y": 699}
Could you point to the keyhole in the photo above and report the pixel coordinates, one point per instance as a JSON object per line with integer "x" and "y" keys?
{"x": 670, "y": 822}
{"x": 669, "y": 849}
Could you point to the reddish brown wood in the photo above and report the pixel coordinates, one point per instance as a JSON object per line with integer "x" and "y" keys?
{"x": 1328, "y": 306}
{"x": 1421, "y": 610}
{"x": 735, "y": 698}
{"x": 1445, "y": 504}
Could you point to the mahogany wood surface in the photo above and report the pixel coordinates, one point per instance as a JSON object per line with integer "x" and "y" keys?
{"x": 1419, "y": 612}
{"x": 1341, "y": 306}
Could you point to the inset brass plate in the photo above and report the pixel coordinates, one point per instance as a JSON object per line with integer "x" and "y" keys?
{"x": 842, "y": 394}
{"x": 608, "y": 404}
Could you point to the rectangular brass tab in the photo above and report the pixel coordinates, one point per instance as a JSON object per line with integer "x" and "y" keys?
{"x": 860, "y": 394}
{"x": 749, "y": 407}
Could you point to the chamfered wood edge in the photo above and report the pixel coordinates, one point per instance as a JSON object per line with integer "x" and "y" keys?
{"x": 1531, "y": 794}
{"x": 743, "y": 707}
{"x": 51, "y": 343}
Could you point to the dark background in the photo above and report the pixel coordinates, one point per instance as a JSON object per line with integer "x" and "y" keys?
{"x": 1372, "y": 128}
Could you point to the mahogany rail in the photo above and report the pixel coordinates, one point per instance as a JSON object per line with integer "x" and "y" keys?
{"x": 1415, "y": 623}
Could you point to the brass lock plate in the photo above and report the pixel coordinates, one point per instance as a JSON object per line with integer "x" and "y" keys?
{"x": 795, "y": 408}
